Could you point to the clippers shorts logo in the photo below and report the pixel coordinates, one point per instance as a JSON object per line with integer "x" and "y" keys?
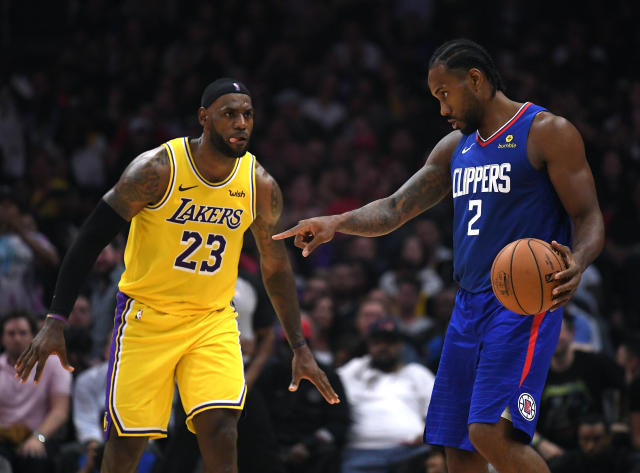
{"x": 527, "y": 406}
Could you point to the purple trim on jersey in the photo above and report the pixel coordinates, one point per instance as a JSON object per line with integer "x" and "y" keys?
{"x": 123, "y": 306}
{"x": 209, "y": 405}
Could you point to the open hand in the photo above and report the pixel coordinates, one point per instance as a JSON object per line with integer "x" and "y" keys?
{"x": 48, "y": 341}
{"x": 304, "y": 366}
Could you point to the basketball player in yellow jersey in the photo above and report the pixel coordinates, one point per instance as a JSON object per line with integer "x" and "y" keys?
{"x": 189, "y": 202}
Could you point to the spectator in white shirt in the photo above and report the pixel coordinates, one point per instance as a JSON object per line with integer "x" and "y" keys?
{"x": 388, "y": 401}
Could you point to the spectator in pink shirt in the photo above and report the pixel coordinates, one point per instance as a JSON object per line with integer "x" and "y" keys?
{"x": 30, "y": 414}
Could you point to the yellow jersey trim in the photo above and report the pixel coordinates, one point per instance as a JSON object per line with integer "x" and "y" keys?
{"x": 172, "y": 178}
{"x": 192, "y": 163}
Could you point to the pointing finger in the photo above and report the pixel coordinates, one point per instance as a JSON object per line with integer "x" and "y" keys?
{"x": 287, "y": 233}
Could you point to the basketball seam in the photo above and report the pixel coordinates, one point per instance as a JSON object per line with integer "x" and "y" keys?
{"x": 539, "y": 275}
{"x": 511, "y": 276}
{"x": 491, "y": 273}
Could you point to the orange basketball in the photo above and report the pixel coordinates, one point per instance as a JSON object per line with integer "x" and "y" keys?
{"x": 522, "y": 275}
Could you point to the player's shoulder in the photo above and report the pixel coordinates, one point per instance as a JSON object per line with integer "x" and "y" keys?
{"x": 268, "y": 194}
{"x": 547, "y": 123}
{"x": 443, "y": 150}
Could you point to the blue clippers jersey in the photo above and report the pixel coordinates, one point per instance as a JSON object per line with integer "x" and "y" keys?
{"x": 499, "y": 197}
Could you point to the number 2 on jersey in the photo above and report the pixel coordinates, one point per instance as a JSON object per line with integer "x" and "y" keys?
{"x": 474, "y": 204}
{"x": 194, "y": 240}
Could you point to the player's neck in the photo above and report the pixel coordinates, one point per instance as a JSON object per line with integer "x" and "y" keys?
{"x": 498, "y": 111}
{"x": 211, "y": 163}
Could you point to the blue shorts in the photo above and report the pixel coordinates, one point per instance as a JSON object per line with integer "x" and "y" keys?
{"x": 492, "y": 359}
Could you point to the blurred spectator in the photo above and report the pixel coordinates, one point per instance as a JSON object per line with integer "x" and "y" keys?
{"x": 595, "y": 452}
{"x": 24, "y": 252}
{"x": 440, "y": 307}
{"x": 628, "y": 357}
{"x": 436, "y": 461}
{"x": 314, "y": 288}
{"x": 310, "y": 432}
{"x": 413, "y": 322}
{"x": 389, "y": 401}
{"x": 30, "y": 414}
{"x": 578, "y": 383}
{"x": 77, "y": 334}
{"x": 322, "y": 341}
{"x": 102, "y": 288}
{"x": 412, "y": 263}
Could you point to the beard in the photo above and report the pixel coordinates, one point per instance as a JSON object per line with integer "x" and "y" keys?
{"x": 217, "y": 141}
{"x": 471, "y": 116}
{"x": 386, "y": 363}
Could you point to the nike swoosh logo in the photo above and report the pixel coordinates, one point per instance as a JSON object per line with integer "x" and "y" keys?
{"x": 464, "y": 150}
{"x": 180, "y": 188}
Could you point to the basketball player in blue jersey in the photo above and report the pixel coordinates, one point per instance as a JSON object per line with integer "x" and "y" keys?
{"x": 515, "y": 170}
{"x": 189, "y": 202}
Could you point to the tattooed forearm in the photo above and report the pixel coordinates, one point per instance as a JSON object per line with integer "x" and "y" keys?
{"x": 422, "y": 191}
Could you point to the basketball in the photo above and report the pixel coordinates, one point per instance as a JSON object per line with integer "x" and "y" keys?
{"x": 522, "y": 275}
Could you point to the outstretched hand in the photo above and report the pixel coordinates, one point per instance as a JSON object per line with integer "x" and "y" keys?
{"x": 48, "y": 341}
{"x": 304, "y": 366}
{"x": 568, "y": 279}
{"x": 310, "y": 233}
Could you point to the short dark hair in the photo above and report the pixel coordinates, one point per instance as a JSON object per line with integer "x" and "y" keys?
{"x": 593, "y": 419}
{"x": 465, "y": 54}
{"x": 18, "y": 314}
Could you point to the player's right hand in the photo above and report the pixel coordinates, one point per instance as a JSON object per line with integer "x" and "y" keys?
{"x": 311, "y": 233}
{"x": 48, "y": 341}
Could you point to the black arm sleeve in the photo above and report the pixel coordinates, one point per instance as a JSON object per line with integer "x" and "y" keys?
{"x": 96, "y": 232}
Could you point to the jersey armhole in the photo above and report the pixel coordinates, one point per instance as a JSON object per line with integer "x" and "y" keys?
{"x": 172, "y": 179}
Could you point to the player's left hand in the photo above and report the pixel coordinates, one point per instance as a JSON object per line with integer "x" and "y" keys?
{"x": 304, "y": 366}
{"x": 568, "y": 279}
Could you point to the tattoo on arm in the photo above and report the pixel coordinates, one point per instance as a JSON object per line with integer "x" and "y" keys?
{"x": 421, "y": 192}
{"x": 144, "y": 182}
{"x": 276, "y": 200}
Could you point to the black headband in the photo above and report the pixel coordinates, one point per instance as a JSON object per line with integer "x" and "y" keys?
{"x": 220, "y": 87}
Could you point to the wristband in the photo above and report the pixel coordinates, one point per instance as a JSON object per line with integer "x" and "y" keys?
{"x": 57, "y": 317}
{"x": 299, "y": 344}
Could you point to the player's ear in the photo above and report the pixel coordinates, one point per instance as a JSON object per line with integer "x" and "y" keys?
{"x": 203, "y": 115}
{"x": 475, "y": 78}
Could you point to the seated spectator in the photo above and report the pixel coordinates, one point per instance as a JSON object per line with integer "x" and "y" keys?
{"x": 30, "y": 414}
{"x": 389, "y": 401}
{"x": 436, "y": 461}
{"x": 629, "y": 358}
{"x": 101, "y": 289}
{"x": 77, "y": 334}
{"x": 578, "y": 383}
{"x": 88, "y": 413}
{"x": 595, "y": 452}
{"x": 414, "y": 323}
{"x": 321, "y": 316}
{"x": 310, "y": 433}
{"x": 24, "y": 253}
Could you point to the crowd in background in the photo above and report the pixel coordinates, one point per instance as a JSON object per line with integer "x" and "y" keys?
{"x": 343, "y": 117}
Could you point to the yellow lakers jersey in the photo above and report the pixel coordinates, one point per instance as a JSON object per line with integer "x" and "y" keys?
{"x": 182, "y": 253}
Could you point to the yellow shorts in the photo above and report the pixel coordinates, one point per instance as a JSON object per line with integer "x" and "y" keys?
{"x": 150, "y": 351}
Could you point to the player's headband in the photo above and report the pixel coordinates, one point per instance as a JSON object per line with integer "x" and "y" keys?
{"x": 220, "y": 87}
